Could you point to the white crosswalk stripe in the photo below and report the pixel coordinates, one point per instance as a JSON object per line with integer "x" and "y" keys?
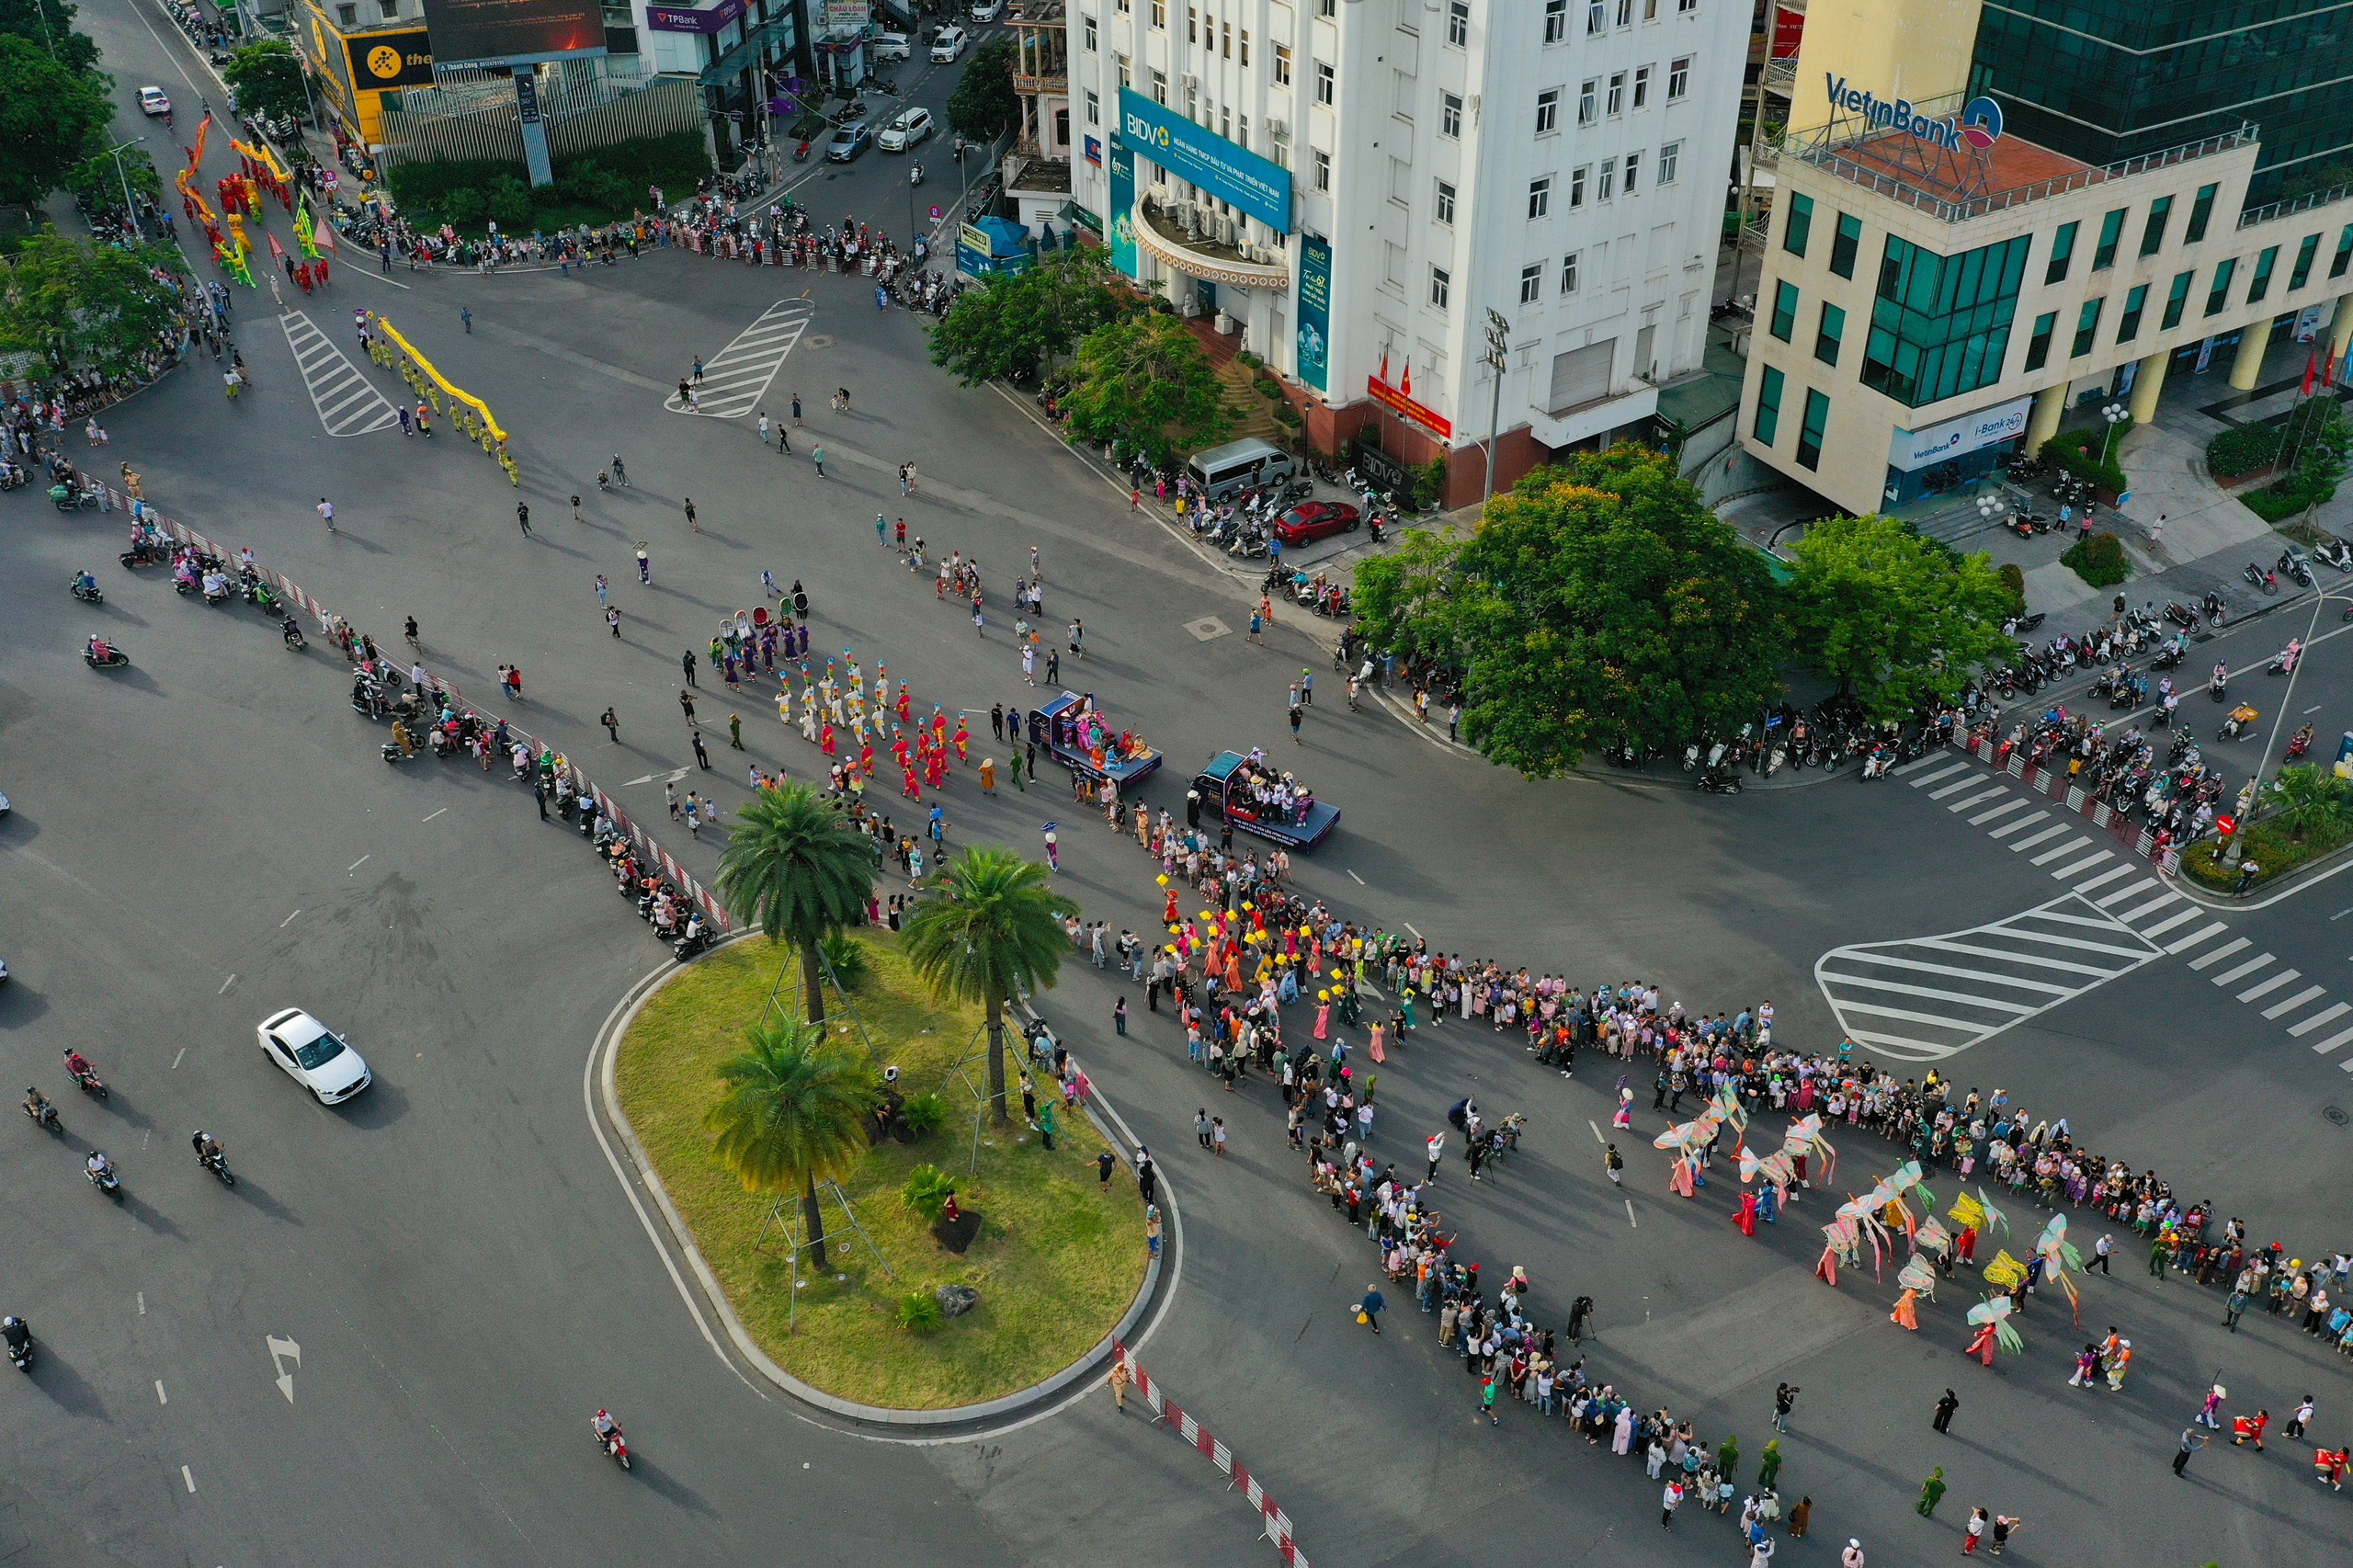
{"x": 1930, "y": 997}
{"x": 736, "y": 377}
{"x": 348, "y": 403}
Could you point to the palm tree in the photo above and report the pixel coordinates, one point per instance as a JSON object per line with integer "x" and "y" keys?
{"x": 2305, "y": 797}
{"x": 991, "y": 931}
{"x": 796, "y": 868}
{"x": 796, "y": 1109}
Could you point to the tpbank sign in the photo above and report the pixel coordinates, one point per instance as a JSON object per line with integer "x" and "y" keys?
{"x": 1226, "y": 170}
{"x": 1978, "y": 125}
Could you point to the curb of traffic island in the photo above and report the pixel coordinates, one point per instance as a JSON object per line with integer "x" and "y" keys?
{"x": 1149, "y": 1299}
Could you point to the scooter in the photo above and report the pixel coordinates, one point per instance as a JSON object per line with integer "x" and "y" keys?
{"x": 20, "y": 1343}
{"x": 800, "y": 154}
{"x": 102, "y": 1177}
{"x": 616, "y": 1445}
{"x": 2335, "y": 552}
{"x": 1721, "y": 781}
{"x": 2236, "y": 725}
{"x": 1878, "y": 763}
{"x": 2257, "y": 577}
{"x": 45, "y": 1117}
{"x": 113, "y": 659}
{"x": 291, "y": 631}
{"x": 219, "y": 1165}
{"x": 915, "y": 173}
{"x": 88, "y": 593}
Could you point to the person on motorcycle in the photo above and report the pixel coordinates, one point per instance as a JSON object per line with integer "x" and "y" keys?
{"x": 97, "y": 649}
{"x": 2290, "y": 654}
{"x": 38, "y": 1107}
{"x": 2300, "y": 743}
{"x": 207, "y": 1148}
{"x": 291, "y": 629}
{"x": 85, "y": 583}
{"x": 17, "y": 1331}
{"x": 78, "y": 1065}
{"x": 607, "y": 1429}
{"x": 2241, "y": 716}
{"x": 2222, "y": 678}
{"x": 99, "y": 1165}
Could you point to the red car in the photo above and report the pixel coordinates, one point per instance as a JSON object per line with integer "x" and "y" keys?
{"x": 1313, "y": 520}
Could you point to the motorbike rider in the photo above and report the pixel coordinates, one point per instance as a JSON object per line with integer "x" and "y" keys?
{"x": 607, "y": 1429}
{"x": 78, "y": 1065}
{"x": 99, "y": 1165}
{"x": 85, "y": 583}
{"x": 291, "y": 630}
{"x": 97, "y": 648}
{"x": 2300, "y": 742}
{"x": 207, "y": 1148}
{"x": 37, "y": 1106}
{"x": 17, "y": 1331}
{"x": 2241, "y": 716}
{"x": 2290, "y": 654}
{"x": 2222, "y": 679}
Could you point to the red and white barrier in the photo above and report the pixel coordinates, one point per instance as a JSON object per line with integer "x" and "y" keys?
{"x": 1164, "y": 1409}
{"x": 2054, "y": 784}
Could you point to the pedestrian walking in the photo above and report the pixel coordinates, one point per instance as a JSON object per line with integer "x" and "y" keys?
{"x": 1972, "y": 1532}
{"x": 1119, "y": 1024}
{"x": 702, "y": 757}
{"x": 326, "y": 511}
{"x": 1104, "y": 1163}
{"x": 817, "y": 456}
{"x": 620, "y": 474}
{"x": 736, "y": 731}
{"x": 692, "y": 522}
{"x": 1945, "y": 1407}
{"x": 523, "y": 518}
{"x": 1785, "y": 1399}
{"x": 2192, "y": 1439}
{"x": 1932, "y": 1492}
{"x": 604, "y": 590}
{"x": 1294, "y": 727}
{"x": 2303, "y": 1417}
{"x": 613, "y": 725}
{"x": 2005, "y": 1527}
{"x": 1669, "y": 1500}
{"x": 1853, "y": 1556}
{"x": 576, "y": 510}
{"x": 1615, "y": 1163}
{"x": 644, "y": 565}
{"x": 686, "y": 667}
{"x": 687, "y": 702}
{"x": 2100, "y": 1249}
{"x": 1368, "y": 1310}
{"x": 1120, "y": 1377}
{"x": 796, "y": 408}
{"x": 613, "y": 620}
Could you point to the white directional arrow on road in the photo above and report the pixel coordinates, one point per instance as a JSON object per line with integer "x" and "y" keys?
{"x": 647, "y": 779}
{"x": 280, "y": 1352}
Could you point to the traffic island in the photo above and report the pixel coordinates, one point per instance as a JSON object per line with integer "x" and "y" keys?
{"x": 1053, "y": 1258}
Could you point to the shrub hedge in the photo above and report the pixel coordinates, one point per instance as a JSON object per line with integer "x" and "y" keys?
{"x": 2098, "y": 560}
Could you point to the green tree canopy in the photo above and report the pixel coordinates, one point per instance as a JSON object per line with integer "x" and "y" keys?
{"x": 49, "y": 24}
{"x": 99, "y": 178}
{"x": 985, "y": 107}
{"x": 1598, "y": 602}
{"x": 1895, "y": 619}
{"x": 2305, "y": 797}
{"x": 1011, "y": 328}
{"x": 991, "y": 931}
{"x": 52, "y": 116}
{"x": 88, "y": 307}
{"x": 795, "y": 868}
{"x": 1145, "y": 379}
{"x": 795, "y": 1110}
{"x": 269, "y": 81}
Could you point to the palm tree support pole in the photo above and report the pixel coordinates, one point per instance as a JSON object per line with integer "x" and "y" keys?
{"x": 780, "y": 1218}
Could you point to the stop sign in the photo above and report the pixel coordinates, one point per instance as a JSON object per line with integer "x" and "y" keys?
{"x": 2226, "y": 825}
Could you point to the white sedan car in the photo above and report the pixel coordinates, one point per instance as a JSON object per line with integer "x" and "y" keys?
{"x": 911, "y": 127}
{"x": 947, "y": 44}
{"x": 313, "y": 1055}
{"x": 152, "y": 101}
{"x": 987, "y": 11}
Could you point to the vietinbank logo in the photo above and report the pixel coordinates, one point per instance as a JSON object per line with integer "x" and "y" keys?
{"x": 1979, "y": 123}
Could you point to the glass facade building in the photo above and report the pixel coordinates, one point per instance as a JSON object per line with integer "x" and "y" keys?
{"x": 1941, "y": 324}
{"x": 2105, "y": 80}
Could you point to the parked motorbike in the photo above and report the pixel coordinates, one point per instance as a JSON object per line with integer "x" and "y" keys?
{"x": 2257, "y": 577}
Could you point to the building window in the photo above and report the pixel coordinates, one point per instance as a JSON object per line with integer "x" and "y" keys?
{"x": 2111, "y": 228}
{"x": 2344, "y": 253}
{"x": 1127, "y": 75}
{"x": 1678, "y": 80}
{"x": 1829, "y": 336}
{"x": 1669, "y": 157}
{"x": 2086, "y": 328}
{"x": 1322, "y": 169}
{"x": 2062, "y": 253}
{"x": 1941, "y": 324}
{"x": 1785, "y": 311}
{"x": 1590, "y": 102}
{"x": 2220, "y": 295}
{"x": 1634, "y": 171}
{"x": 2201, "y": 210}
{"x": 1282, "y": 65}
{"x": 1641, "y": 86}
{"x": 1606, "y": 186}
{"x": 1844, "y": 243}
{"x": 1450, "y": 114}
{"x": 1160, "y": 86}
{"x": 348, "y": 15}
{"x": 1576, "y": 186}
{"x": 2153, "y": 233}
{"x": 1246, "y": 46}
{"x": 1225, "y": 40}
{"x": 392, "y": 9}
{"x": 2261, "y": 283}
{"x": 1617, "y": 94}
{"x": 1685, "y": 7}
{"x": 1531, "y": 283}
{"x": 1326, "y": 7}
{"x": 1811, "y": 431}
{"x": 1093, "y": 108}
{"x": 1441, "y": 287}
{"x": 1625, "y": 13}
{"x": 1327, "y": 84}
{"x": 2303, "y": 269}
{"x": 1569, "y": 273}
{"x": 1445, "y": 202}
{"x": 1548, "y": 111}
{"x": 1457, "y": 22}
{"x": 1087, "y": 36}
{"x": 1160, "y": 14}
{"x": 2178, "y": 299}
{"x": 1799, "y": 225}
{"x": 2127, "y": 325}
{"x": 1768, "y": 423}
{"x": 1556, "y": 21}
{"x": 1539, "y": 198}
{"x": 1596, "y": 18}
{"x": 2038, "y": 347}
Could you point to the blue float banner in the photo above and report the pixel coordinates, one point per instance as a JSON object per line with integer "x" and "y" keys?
{"x": 1314, "y": 310}
{"x": 1123, "y": 203}
{"x": 1227, "y": 170}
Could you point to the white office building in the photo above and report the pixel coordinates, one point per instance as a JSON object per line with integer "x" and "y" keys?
{"x": 1355, "y": 188}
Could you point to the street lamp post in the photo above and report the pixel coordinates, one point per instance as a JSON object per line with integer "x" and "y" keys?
{"x": 129, "y": 208}
{"x": 2115, "y": 413}
{"x": 1498, "y": 345}
{"x": 2237, "y": 851}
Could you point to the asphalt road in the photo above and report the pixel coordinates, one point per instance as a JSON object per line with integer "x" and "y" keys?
{"x": 221, "y": 740}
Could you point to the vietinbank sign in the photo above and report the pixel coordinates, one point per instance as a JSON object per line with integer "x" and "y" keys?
{"x": 1978, "y": 125}
{"x": 1227, "y": 170}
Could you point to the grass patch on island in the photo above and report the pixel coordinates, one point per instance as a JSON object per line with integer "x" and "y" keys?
{"x": 1058, "y": 1260}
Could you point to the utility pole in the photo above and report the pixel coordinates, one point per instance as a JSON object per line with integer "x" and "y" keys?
{"x": 129, "y": 208}
{"x": 1498, "y": 345}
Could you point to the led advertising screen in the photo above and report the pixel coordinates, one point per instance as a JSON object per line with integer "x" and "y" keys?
{"x": 482, "y": 33}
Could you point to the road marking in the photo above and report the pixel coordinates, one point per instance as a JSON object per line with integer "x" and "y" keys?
{"x": 2063, "y": 851}
{"x": 437, "y": 813}
{"x": 224, "y": 986}
{"x": 380, "y": 278}
{"x": 2314, "y": 709}
{"x": 2132, "y": 889}
{"x": 142, "y": 1304}
{"x": 2309, "y": 994}
{"x": 1417, "y": 935}
{"x": 1919, "y": 763}
{"x": 1966, "y": 801}
{"x": 1596, "y": 1132}
{"x": 161, "y": 1397}
{"x": 1353, "y": 878}
{"x": 288, "y": 921}
{"x": 346, "y": 401}
{"x": 2240, "y": 970}
{"x": 2086, "y": 864}
{"x": 1956, "y": 787}
{"x": 280, "y": 1352}
{"x": 2208, "y": 935}
{"x": 1945, "y": 772}
{"x": 2182, "y": 918}
{"x": 2004, "y": 809}
{"x": 736, "y": 377}
{"x": 2265, "y": 988}
{"x": 2332, "y": 1011}
{"x": 2045, "y": 836}
{"x": 2132, "y": 916}
{"x": 2102, "y": 879}
{"x": 2018, "y": 826}
{"x": 175, "y": 1061}
{"x": 2332, "y": 1043}
{"x": 189, "y": 1476}
{"x": 1630, "y": 1214}
{"x": 641, "y": 778}
{"x": 357, "y": 864}
{"x": 2235, "y": 945}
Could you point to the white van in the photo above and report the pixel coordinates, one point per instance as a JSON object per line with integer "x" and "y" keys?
{"x": 1237, "y": 466}
{"x": 890, "y": 46}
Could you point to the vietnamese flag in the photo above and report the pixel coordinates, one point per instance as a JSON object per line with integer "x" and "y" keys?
{"x": 2312, "y": 370}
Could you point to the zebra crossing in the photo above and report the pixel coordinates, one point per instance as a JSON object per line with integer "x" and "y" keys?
{"x": 738, "y": 377}
{"x": 348, "y": 403}
{"x": 1928, "y": 998}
